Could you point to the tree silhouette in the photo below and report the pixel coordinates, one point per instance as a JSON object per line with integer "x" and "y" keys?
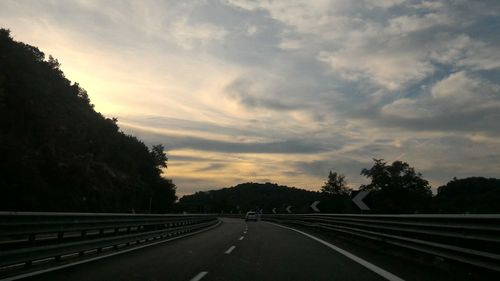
{"x": 469, "y": 195}
{"x": 397, "y": 187}
{"x": 159, "y": 157}
{"x": 335, "y": 185}
{"x": 58, "y": 154}
{"x": 249, "y": 196}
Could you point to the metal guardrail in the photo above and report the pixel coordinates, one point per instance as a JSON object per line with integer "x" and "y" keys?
{"x": 469, "y": 239}
{"x": 233, "y": 216}
{"x": 29, "y": 239}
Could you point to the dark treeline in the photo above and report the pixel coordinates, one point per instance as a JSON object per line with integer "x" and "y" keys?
{"x": 471, "y": 195}
{"x": 249, "y": 196}
{"x": 58, "y": 154}
{"x": 394, "y": 188}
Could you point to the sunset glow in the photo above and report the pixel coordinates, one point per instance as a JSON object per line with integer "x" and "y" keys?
{"x": 285, "y": 91}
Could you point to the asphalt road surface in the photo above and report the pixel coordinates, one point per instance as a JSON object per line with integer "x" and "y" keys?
{"x": 240, "y": 251}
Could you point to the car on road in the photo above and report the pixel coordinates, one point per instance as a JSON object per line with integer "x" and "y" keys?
{"x": 251, "y": 216}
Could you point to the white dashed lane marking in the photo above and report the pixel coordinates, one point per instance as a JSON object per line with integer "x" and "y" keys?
{"x": 230, "y": 250}
{"x": 199, "y": 276}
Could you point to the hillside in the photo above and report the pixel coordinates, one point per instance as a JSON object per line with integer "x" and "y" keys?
{"x": 58, "y": 154}
{"x": 249, "y": 196}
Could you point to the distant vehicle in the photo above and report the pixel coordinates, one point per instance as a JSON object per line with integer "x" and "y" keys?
{"x": 251, "y": 216}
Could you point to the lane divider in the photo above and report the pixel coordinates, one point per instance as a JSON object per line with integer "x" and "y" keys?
{"x": 386, "y": 274}
{"x": 241, "y": 238}
{"x": 199, "y": 276}
{"x": 229, "y": 250}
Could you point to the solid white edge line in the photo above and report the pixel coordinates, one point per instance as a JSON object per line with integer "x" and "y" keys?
{"x": 241, "y": 238}
{"x": 387, "y": 275}
{"x": 199, "y": 276}
{"x": 104, "y": 256}
{"x": 230, "y": 250}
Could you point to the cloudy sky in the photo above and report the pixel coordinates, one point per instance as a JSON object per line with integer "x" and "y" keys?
{"x": 285, "y": 91}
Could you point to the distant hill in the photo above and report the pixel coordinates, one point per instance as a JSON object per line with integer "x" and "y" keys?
{"x": 58, "y": 154}
{"x": 249, "y": 196}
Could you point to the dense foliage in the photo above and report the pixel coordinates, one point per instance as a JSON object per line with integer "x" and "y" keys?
{"x": 58, "y": 154}
{"x": 250, "y": 196}
{"x": 469, "y": 195}
{"x": 397, "y": 188}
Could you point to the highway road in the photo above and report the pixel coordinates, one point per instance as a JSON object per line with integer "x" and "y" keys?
{"x": 236, "y": 250}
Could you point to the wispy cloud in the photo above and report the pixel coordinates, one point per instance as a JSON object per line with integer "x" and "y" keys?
{"x": 285, "y": 91}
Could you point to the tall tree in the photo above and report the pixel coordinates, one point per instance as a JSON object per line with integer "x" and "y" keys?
{"x": 397, "y": 188}
{"x": 335, "y": 194}
{"x": 335, "y": 185}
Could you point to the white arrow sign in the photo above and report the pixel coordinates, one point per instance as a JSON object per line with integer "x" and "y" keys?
{"x": 313, "y": 206}
{"x": 358, "y": 200}
{"x": 274, "y": 210}
{"x": 288, "y": 209}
